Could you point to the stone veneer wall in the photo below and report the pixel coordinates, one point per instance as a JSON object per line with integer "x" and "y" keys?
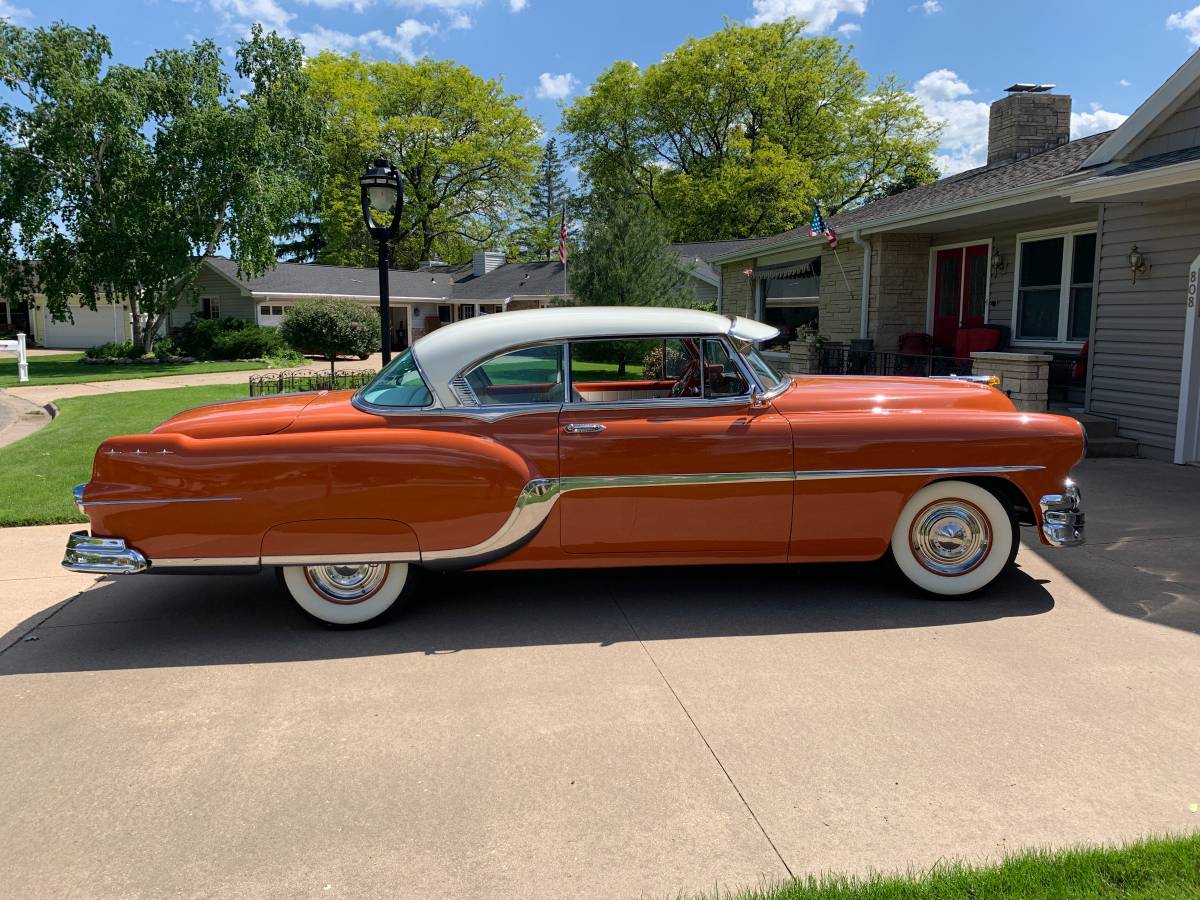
{"x": 899, "y": 287}
{"x": 803, "y": 359}
{"x": 1023, "y": 124}
{"x": 1024, "y": 377}
{"x": 737, "y": 291}
{"x": 840, "y": 308}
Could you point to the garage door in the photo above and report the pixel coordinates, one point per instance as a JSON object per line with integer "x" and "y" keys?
{"x": 91, "y": 327}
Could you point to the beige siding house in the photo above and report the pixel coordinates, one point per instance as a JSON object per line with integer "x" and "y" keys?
{"x": 1042, "y": 242}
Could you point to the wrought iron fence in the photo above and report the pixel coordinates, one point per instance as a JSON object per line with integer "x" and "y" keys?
{"x": 838, "y": 359}
{"x": 307, "y": 380}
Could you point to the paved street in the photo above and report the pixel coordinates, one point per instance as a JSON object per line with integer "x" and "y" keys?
{"x": 602, "y": 733}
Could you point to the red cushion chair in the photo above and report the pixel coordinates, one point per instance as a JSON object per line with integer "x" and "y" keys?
{"x": 977, "y": 339}
{"x": 915, "y": 343}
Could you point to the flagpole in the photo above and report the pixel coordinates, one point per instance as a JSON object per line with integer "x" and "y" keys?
{"x": 562, "y": 240}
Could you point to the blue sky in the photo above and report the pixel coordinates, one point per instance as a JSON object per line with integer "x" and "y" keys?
{"x": 956, "y": 55}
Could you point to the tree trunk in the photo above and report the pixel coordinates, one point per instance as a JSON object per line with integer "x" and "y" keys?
{"x": 135, "y": 312}
{"x": 332, "y": 369}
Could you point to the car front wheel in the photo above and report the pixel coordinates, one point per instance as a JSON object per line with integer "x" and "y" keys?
{"x": 347, "y": 594}
{"x": 953, "y": 538}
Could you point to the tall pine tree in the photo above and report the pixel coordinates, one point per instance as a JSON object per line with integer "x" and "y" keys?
{"x": 538, "y": 238}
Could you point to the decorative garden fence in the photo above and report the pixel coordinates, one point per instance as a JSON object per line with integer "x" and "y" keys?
{"x": 291, "y": 382}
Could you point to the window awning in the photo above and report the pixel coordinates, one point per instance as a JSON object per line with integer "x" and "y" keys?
{"x": 800, "y": 268}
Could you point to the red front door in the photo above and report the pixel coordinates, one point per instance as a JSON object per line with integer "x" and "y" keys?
{"x": 960, "y": 282}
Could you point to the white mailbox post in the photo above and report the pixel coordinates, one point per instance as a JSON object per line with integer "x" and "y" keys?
{"x": 18, "y": 347}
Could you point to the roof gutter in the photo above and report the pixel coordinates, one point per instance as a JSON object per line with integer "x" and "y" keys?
{"x": 1103, "y": 187}
{"x": 866, "y": 282}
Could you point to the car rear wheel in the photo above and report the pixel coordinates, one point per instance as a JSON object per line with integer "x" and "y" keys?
{"x": 953, "y": 538}
{"x": 347, "y": 594}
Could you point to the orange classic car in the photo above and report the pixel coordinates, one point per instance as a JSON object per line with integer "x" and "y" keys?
{"x": 583, "y": 437}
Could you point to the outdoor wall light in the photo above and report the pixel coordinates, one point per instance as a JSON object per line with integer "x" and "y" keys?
{"x": 997, "y": 262}
{"x": 1138, "y": 264}
{"x": 380, "y": 189}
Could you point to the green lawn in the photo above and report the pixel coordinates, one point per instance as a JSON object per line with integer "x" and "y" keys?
{"x": 38, "y": 472}
{"x": 1156, "y": 869}
{"x": 65, "y": 368}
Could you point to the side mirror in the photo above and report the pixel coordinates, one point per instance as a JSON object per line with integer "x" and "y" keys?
{"x": 756, "y": 400}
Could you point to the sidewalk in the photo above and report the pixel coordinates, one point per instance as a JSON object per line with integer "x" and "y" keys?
{"x": 20, "y": 417}
{"x": 48, "y": 393}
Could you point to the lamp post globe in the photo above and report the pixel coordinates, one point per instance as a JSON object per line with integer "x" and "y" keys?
{"x": 381, "y": 197}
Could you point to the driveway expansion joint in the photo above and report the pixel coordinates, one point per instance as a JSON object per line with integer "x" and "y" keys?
{"x": 708, "y": 746}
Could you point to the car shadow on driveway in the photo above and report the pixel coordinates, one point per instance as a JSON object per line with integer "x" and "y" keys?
{"x": 162, "y": 621}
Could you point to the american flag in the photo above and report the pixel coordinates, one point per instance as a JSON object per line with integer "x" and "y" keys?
{"x": 562, "y": 239}
{"x": 819, "y": 228}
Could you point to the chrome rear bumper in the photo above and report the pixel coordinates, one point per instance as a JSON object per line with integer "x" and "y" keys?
{"x": 1062, "y": 519}
{"x": 102, "y": 556}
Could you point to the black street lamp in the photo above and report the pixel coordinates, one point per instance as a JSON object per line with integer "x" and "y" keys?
{"x": 381, "y": 194}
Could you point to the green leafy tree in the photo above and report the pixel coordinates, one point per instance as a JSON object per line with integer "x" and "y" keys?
{"x": 330, "y": 327}
{"x": 119, "y": 180}
{"x": 737, "y": 134}
{"x": 465, "y": 148}
{"x": 626, "y": 258}
{"x": 538, "y": 238}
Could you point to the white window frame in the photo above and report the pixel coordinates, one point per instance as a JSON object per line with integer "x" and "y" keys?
{"x": 1068, "y": 233}
{"x": 931, "y": 288}
{"x": 214, "y": 305}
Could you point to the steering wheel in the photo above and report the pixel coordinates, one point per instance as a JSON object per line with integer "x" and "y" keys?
{"x": 688, "y": 381}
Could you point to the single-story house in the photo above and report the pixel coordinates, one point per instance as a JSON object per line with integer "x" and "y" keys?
{"x": 1066, "y": 244}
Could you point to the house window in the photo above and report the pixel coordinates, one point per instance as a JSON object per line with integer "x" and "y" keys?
{"x": 466, "y": 311}
{"x": 445, "y": 313}
{"x": 210, "y": 308}
{"x": 265, "y": 310}
{"x": 792, "y": 303}
{"x": 1054, "y": 287}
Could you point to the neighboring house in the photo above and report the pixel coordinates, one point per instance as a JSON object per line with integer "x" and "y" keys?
{"x": 1039, "y": 241}
{"x": 696, "y": 259}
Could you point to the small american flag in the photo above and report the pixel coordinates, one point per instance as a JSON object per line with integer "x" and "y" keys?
{"x": 562, "y": 239}
{"x": 818, "y": 228}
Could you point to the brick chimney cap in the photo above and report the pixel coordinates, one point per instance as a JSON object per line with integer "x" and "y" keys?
{"x": 1028, "y": 87}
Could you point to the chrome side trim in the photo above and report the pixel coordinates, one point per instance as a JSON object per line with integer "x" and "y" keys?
{"x": 1062, "y": 519}
{"x": 205, "y": 562}
{"x": 101, "y": 556}
{"x": 599, "y": 482}
{"x": 340, "y": 559}
{"x": 821, "y": 474}
{"x": 529, "y": 513}
{"x": 77, "y": 493}
{"x": 79, "y": 501}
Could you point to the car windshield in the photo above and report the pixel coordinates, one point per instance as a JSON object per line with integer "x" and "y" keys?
{"x": 399, "y": 384}
{"x": 763, "y": 370}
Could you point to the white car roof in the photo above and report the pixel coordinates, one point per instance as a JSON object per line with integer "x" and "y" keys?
{"x": 445, "y": 352}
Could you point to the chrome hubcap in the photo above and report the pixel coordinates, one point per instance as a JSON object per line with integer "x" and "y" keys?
{"x": 346, "y": 584}
{"x": 950, "y": 537}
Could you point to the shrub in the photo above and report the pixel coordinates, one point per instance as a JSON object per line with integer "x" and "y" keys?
{"x": 225, "y": 339}
{"x": 111, "y": 350}
{"x": 330, "y": 327}
{"x": 286, "y": 358}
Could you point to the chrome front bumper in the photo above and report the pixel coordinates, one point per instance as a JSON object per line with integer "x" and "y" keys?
{"x": 102, "y": 556}
{"x": 1062, "y": 519}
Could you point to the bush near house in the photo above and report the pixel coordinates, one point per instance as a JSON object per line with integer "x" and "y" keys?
{"x": 223, "y": 339}
{"x": 329, "y": 327}
{"x": 111, "y": 350}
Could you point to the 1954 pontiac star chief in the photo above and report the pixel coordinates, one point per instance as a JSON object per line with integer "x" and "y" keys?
{"x": 583, "y": 437}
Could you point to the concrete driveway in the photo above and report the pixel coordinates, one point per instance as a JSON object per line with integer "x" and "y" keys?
{"x": 604, "y": 733}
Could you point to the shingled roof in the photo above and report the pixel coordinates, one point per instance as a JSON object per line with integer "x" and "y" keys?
{"x": 337, "y": 281}
{"x": 954, "y": 190}
{"x": 540, "y": 279}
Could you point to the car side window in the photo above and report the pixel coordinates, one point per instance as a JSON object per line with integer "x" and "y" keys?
{"x": 606, "y": 371}
{"x": 526, "y": 376}
{"x": 722, "y": 376}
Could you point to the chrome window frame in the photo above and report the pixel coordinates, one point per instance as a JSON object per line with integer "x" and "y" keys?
{"x": 671, "y": 401}
{"x": 359, "y": 403}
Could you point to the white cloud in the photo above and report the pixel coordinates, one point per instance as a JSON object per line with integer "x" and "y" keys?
{"x": 1188, "y": 21}
{"x": 820, "y": 14}
{"x": 849, "y": 28}
{"x": 356, "y": 5}
{"x": 930, "y": 7}
{"x": 555, "y": 87}
{"x": 1124, "y": 82}
{"x": 400, "y": 42}
{"x": 1099, "y": 119}
{"x": 517, "y": 5}
{"x": 964, "y": 122}
{"x": 460, "y": 20}
{"x": 446, "y": 6}
{"x": 243, "y": 13}
{"x": 11, "y": 13}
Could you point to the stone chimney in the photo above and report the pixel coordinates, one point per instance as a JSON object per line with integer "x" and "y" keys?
{"x": 485, "y": 260}
{"x": 1027, "y": 122}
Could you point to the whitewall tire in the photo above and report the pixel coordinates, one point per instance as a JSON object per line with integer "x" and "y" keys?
{"x": 349, "y": 594}
{"x": 953, "y": 538}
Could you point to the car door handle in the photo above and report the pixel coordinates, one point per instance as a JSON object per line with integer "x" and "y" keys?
{"x": 582, "y": 428}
